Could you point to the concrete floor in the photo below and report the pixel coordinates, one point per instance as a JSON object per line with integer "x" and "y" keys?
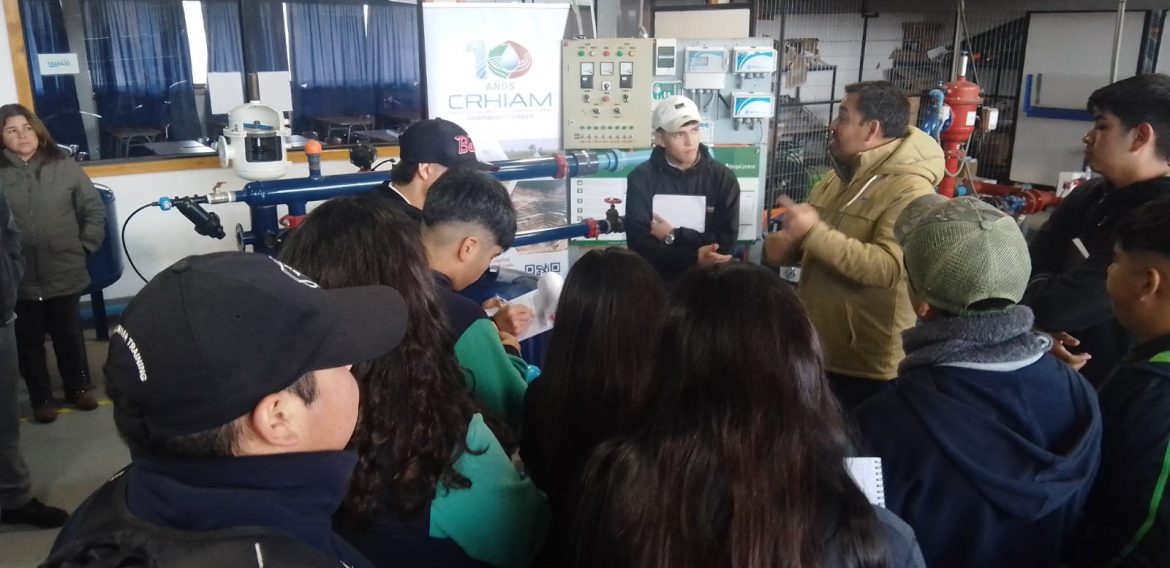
{"x": 67, "y": 459}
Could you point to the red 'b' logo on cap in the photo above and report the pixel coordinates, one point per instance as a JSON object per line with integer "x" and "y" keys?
{"x": 465, "y": 145}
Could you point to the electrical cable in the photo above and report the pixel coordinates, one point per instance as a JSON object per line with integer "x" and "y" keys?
{"x": 125, "y": 250}
{"x": 379, "y": 164}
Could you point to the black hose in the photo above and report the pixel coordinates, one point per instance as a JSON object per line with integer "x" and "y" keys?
{"x": 125, "y": 250}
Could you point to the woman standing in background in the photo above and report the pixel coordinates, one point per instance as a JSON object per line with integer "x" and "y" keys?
{"x": 62, "y": 221}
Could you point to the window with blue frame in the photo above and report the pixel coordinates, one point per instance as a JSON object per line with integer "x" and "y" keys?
{"x": 139, "y": 88}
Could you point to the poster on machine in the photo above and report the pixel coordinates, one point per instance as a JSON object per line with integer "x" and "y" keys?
{"x": 495, "y": 69}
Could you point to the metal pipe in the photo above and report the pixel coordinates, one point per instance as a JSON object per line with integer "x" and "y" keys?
{"x": 958, "y": 47}
{"x": 263, "y": 196}
{"x": 283, "y": 191}
{"x": 1117, "y": 41}
{"x": 558, "y": 233}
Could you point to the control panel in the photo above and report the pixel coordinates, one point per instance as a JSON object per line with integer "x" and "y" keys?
{"x": 607, "y": 83}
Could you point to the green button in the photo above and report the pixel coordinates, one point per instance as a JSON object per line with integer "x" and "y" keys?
{"x": 619, "y": 54}
{"x": 580, "y": 52}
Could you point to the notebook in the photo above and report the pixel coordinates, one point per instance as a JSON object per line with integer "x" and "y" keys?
{"x": 867, "y": 473}
{"x": 688, "y": 211}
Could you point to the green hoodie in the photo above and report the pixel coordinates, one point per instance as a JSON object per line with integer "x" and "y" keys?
{"x": 853, "y": 282}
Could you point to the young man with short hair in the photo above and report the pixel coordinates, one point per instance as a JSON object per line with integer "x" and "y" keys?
{"x": 230, "y": 376}
{"x": 989, "y": 444}
{"x": 427, "y": 150}
{"x": 468, "y": 221}
{"x": 1127, "y": 520}
{"x": 1129, "y": 145}
{"x": 681, "y": 165}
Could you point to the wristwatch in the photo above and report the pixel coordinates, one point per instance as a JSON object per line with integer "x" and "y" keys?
{"x": 669, "y": 238}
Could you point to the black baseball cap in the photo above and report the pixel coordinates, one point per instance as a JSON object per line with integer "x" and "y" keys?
{"x": 438, "y": 141}
{"x": 210, "y": 336}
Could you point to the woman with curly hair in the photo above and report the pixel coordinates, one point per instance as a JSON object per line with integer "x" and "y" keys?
{"x": 435, "y": 484}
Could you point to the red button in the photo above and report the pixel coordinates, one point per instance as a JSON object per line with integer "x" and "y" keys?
{"x": 605, "y": 99}
{"x": 605, "y": 53}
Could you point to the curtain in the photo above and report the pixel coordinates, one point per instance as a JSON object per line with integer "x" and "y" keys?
{"x": 392, "y": 53}
{"x": 221, "y": 24}
{"x": 55, "y": 95}
{"x": 138, "y": 59}
{"x": 329, "y": 69}
{"x": 266, "y": 45}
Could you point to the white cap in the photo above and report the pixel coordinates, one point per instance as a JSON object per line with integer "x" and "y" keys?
{"x": 673, "y": 112}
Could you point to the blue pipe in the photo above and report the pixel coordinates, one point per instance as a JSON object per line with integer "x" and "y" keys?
{"x": 556, "y": 233}
{"x": 263, "y": 196}
{"x": 284, "y": 191}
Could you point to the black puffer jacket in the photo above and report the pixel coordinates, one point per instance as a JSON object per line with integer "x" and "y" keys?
{"x": 708, "y": 178}
{"x": 11, "y": 265}
{"x": 61, "y": 219}
{"x": 1067, "y": 291}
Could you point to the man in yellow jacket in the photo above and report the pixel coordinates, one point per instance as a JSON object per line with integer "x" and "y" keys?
{"x": 852, "y": 278}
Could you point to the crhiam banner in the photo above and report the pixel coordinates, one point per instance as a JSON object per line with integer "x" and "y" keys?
{"x": 495, "y": 70}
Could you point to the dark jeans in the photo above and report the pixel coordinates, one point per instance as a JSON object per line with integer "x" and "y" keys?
{"x": 62, "y": 320}
{"x": 14, "y": 483}
{"x": 852, "y": 391}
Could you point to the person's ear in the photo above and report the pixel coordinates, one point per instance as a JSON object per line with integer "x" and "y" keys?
{"x": 275, "y": 421}
{"x": 921, "y": 309}
{"x": 1154, "y": 283}
{"x": 873, "y": 131}
{"x": 429, "y": 172}
{"x": 1143, "y": 135}
{"x": 468, "y": 247}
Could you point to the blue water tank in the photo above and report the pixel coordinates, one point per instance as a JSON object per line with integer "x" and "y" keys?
{"x": 105, "y": 265}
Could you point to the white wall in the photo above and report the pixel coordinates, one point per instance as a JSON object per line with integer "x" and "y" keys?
{"x": 1072, "y": 43}
{"x": 158, "y": 238}
{"x": 7, "y": 76}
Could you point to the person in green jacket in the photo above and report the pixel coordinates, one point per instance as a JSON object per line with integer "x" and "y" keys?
{"x": 62, "y": 221}
{"x": 468, "y": 221}
{"x": 435, "y": 484}
{"x": 1126, "y": 522}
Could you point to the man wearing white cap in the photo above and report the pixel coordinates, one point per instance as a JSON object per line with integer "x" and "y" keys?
{"x": 681, "y": 165}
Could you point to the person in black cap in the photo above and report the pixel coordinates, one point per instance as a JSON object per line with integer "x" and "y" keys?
{"x": 427, "y": 149}
{"x": 230, "y": 376}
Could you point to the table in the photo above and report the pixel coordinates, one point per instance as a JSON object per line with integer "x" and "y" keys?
{"x": 385, "y": 136}
{"x": 295, "y": 142}
{"x": 180, "y": 148}
{"x": 348, "y": 124}
{"x": 128, "y": 137}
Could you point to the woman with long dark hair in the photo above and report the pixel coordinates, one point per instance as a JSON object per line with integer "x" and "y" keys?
{"x": 62, "y": 221}
{"x": 434, "y": 485}
{"x": 740, "y": 460}
{"x": 596, "y": 367}
{"x": 596, "y": 372}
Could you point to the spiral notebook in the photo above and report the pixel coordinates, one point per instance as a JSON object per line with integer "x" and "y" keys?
{"x": 867, "y": 473}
